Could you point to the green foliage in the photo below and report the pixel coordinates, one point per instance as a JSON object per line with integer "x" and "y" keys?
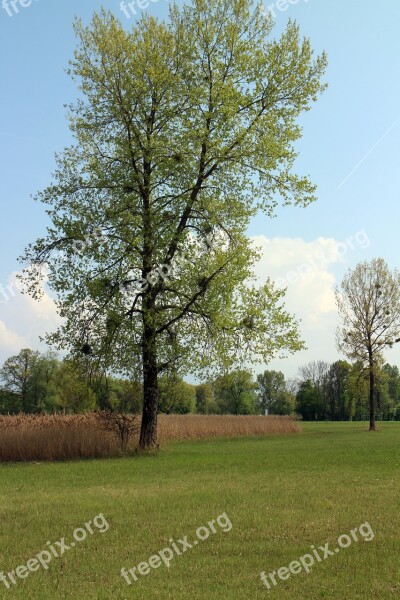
{"x": 34, "y": 382}
{"x": 74, "y": 392}
{"x": 341, "y": 405}
{"x": 29, "y": 382}
{"x": 205, "y": 401}
{"x": 359, "y": 391}
{"x": 393, "y": 381}
{"x": 176, "y": 396}
{"x": 125, "y": 396}
{"x": 235, "y": 393}
{"x": 308, "y": 403}
{"x": 318, "y": 373}
{"x": 342, "y": 393}
{"x": 273, "y": 396}
{"x": 10, "y": 403}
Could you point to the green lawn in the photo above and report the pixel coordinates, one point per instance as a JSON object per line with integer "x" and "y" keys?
{"x": 282, "y": 494}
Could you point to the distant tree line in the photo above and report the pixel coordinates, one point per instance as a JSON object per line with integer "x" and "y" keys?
{"x": 340, "y": 392}
{"x": 34, "y": 382}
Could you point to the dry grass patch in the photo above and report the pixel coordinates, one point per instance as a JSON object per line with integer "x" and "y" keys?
{"x": 67, "y": 437}
{"x": 192, "y": 427}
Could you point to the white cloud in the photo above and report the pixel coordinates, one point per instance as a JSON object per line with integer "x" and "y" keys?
{"x": 23, "y": 319}
{"x": 305, "y": 269}
{"x": 10, "y": 341}
{"x": 302, "y": 267}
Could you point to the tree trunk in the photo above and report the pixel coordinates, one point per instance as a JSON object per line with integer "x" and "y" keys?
{"x": 148, "y": 431}
{"x": 371, "y": 395}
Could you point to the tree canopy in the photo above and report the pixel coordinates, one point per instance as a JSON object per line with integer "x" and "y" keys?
{"x": 185, "y": 129}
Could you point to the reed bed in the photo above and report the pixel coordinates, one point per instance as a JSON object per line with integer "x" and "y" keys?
{"x": 67, "y": 437}
{"x": 194, "y": 427}
{"x": 53, "y": 437}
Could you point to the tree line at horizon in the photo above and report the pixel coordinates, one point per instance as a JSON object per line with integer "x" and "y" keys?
{"x": 33, "y": 382}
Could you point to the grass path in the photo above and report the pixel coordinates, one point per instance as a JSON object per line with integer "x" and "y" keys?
{"x": 282, "y": 494}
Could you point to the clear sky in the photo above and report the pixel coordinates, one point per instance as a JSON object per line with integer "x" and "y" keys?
{"x": 350, "y": 148}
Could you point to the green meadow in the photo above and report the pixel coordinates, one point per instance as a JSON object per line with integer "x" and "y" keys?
{"x": 281, "y": 495}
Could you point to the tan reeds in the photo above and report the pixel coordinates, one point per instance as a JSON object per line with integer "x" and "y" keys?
{"x": 67, "y": 437}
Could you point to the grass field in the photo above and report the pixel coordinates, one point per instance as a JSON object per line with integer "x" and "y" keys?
{"x": 281, "y": 494}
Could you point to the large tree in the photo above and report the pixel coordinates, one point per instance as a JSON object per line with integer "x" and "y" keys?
{"x": 369, "y": 306}
{"x": 185, "y": 129}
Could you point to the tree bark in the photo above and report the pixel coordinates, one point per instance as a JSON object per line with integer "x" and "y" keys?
{"x": 148, "y": 431}
{"x": 371, "y": 395}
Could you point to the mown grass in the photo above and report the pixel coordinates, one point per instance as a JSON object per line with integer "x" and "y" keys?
{"x": 282, "y": 494}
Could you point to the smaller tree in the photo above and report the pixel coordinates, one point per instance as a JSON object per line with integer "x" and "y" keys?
{"x": 125, "y": 396}
{"x": 369, "y": 306}
{"x": 308, "y": 401}
{"x": 205, "y": 402}
{"x": 236, "y": 393}
{"x": 18, "y": 374}
{"x": 273, "y": 397}
{"x": 341, "y": 409}
{"x": 74, "y": 393}
{"x": 176, "y": 396}
{"x": 317, "y": 372}
{"x": 358, "y": 387}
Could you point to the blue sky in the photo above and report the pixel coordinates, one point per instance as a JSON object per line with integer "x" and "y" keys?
{"x": 350, "y": 146}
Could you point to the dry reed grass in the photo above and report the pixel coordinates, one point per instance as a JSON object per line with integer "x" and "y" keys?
{"x": 193, "y": 427}
{"x": 53, "y": 437}
{"x": 66, "y": 437}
